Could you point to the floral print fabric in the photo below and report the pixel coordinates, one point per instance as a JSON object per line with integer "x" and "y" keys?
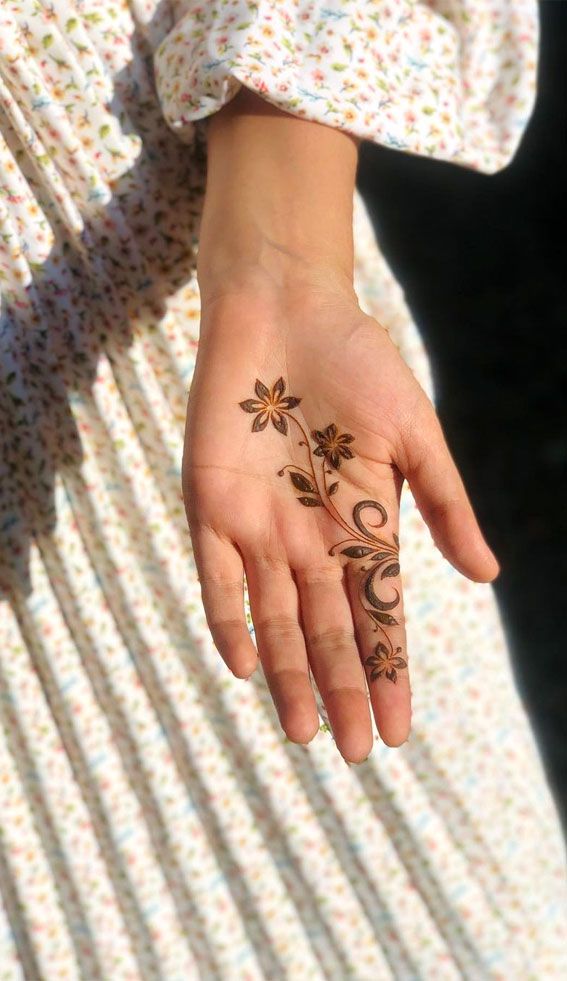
{"x": 449, "y": 79}
{"x": 154, "y": 821}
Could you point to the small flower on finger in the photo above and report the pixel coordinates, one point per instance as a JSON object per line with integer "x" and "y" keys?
{"x": 385, "y": 662}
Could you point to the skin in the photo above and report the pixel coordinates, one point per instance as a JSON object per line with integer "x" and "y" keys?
{"x": 275, "y": 272}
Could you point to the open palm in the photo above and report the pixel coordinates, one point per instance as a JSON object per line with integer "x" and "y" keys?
{"x": 302, "y": 422}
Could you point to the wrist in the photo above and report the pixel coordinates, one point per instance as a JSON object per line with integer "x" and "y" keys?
{"x": 279, "y": 197}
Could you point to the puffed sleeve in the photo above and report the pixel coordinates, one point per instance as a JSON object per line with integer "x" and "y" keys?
{"x": 449, "y": 79}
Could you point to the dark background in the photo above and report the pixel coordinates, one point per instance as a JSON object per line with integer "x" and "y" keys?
{"x": 482, "y": 260}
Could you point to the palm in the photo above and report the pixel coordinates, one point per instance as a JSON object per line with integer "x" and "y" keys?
{"x": 293, "y": 474}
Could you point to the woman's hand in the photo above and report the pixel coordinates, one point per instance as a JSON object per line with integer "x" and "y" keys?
{"x": 300, "y": 409}
{"x": 302, "y": 422}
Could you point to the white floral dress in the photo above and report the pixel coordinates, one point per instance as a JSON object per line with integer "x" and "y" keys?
{"x": 154, "y": 821}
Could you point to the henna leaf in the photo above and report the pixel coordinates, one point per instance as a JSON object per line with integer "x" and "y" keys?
{"x": 356, "y": 551}
{"x": 333, "y": 488}
{"x": 311, "y": 502}
{"x": 396, "y": 539}
{"x": 392, "y": 675}
{"x": 391, "y": 570}
{"x": 302, "y": 483}
{"x": 379, "y": 556}
{"x": 289, "y": 402}
{"x": 399, "y": 662}
{"x": 384, "y": 618}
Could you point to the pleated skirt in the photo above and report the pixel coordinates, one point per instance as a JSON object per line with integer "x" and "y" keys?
{"x": 155, "y": 822}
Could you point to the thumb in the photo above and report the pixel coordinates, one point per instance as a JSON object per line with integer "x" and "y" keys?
{"x": 441, "y": 497}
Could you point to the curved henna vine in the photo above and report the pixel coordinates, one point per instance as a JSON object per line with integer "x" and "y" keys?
{"x": 270, "y": 405}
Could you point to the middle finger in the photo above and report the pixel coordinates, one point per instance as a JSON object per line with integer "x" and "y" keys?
{"x": 274, "y": 608}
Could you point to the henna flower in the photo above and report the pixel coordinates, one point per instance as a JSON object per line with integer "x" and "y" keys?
{"x": 385, "y": 662}
{"x": 269, "y": 405}
{"x": 332, "y": 445}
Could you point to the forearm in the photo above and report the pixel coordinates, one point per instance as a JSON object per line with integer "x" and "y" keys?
{"x": 279, "y": 197}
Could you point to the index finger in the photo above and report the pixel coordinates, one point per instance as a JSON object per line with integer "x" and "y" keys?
{"x": 221, "y": 576}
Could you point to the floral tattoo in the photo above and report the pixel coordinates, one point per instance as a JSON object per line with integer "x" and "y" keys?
{"x": 381, "y": 557}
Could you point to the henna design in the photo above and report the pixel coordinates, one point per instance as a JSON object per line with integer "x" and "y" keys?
{"x": 382, "y": 557}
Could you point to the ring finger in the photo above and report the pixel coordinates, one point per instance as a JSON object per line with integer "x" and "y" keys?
{"x": 329, "y": 633}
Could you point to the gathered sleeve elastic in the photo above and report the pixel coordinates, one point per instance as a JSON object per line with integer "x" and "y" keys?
{"x": 449, "y": 79}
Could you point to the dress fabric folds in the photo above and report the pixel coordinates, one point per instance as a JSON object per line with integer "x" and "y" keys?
{"x": 155, "y": 823}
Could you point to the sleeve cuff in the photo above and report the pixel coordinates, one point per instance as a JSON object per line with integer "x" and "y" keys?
{"x": 459, "y": 87}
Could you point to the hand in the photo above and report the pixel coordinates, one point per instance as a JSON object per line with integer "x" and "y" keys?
{"x": 302, "y": 422}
